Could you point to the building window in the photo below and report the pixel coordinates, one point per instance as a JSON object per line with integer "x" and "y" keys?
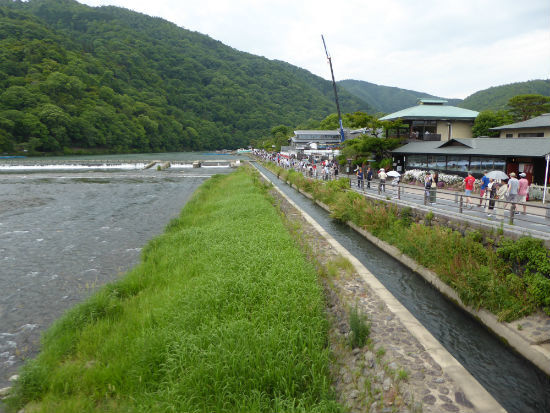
{"x": 436, "y": 162}
{"x": 509, "y": 135}
{"x": 457, "y": 163}
{"x": 475, "y": 164}
{"x": 416, "y": 162}
{"x": 500, "y": 164}
{"x": 423, "y": 126}
{"x": 489, "y": 164}
{"x": 531, "y": 135}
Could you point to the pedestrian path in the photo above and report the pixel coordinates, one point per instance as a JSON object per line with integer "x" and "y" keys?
{"x": 535, "y": 221}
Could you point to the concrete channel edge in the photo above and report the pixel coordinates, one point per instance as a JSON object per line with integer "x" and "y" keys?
{"x": 536, "y": 354}
{"x": 482, "y": 400}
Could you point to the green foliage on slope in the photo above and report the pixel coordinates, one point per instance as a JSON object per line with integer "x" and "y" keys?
{"x": 108, "y": 79}
{"x": 496, "y": 98}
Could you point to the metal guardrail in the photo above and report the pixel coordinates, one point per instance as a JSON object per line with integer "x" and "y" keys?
{"x": 535, "y": 214}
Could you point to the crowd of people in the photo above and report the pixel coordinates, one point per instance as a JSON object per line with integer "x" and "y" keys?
{"x": 322, "y": 169}
{"x": 498, "y": 194}
{"x": 495, "y": 195}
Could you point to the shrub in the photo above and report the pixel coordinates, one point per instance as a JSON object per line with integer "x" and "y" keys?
{"x": 360, "y": 328}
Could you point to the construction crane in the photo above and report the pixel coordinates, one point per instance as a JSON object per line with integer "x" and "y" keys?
{"x": 335, "y": 92}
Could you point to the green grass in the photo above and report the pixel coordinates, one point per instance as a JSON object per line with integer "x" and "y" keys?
{"x": 224, "y": 314}
{"x": 360, "y": 328}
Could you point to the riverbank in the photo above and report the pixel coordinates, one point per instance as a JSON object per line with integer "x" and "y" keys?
{"x": 213, "y": 319}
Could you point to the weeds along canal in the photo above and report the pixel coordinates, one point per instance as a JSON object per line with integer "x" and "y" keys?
{"x": 514, "y": 382}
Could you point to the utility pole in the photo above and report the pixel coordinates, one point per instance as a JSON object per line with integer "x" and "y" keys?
{"x": 335, "y": 92}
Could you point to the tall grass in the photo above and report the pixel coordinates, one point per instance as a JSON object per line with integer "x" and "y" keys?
{"x": 224, "y": 314}
{"x": 511, "y": 279}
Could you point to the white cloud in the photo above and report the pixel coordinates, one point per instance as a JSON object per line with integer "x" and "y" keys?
{"x": 449, "y": 49}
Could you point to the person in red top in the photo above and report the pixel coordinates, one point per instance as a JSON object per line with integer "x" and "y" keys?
{"x": 468, "y": 188}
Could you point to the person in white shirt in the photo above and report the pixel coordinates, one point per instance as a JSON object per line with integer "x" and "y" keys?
{"x": 382, "y": 175}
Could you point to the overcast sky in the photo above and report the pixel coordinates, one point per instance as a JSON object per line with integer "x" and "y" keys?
{"x": 446, "y": 48}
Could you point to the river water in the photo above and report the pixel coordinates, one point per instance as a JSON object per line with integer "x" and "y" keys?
{"x": 68, "y": 226}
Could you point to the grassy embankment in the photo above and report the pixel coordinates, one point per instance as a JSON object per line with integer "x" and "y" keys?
{"x": 224, "y": 314}
{"x": 509, "y": 278}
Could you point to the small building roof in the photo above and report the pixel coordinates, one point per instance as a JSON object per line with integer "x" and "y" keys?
{"x": 528, "y": 147}
{"x": 542, "y": 121}
{"x": 431, "y": 101}
{"x": 317, "y": 132}
{"x": 433, "y": 110}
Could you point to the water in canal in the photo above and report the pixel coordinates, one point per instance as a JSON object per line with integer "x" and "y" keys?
{"x": 515, "y": 383}
{"x": 67, "y": 231}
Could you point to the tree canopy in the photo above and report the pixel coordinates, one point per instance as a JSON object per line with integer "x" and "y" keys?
{"x": 523, "y": 107}
{"x": 490, "y": 119}
{"x": 79, "y": 79}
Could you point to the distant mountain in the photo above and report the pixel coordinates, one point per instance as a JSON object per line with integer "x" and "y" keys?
{"x": 77, "y": 78}
{"x": 386, "y": 99}
{"x": 497, "y": 97}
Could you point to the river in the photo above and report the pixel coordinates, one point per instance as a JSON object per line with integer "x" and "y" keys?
{"x": 69, "y": 225}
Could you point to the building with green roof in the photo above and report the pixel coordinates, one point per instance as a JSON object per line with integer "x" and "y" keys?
{"x": 433, "y": 120}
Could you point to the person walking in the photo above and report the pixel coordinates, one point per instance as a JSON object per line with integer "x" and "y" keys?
{"x": 433, "y": 193}
{"x": 502, "y": 196}
{"x": 483, "y": 188}
{"x": 469, "y": 182}
{"x": 369, "y": 176}
{"x": 360, "y": 178}
{"x": 382, "y": 175}
{"x": 523, "y": 190}
{"x": 491, "y": 194}
{"x": 428, "y": 181}
{"x": 513, "y": 188}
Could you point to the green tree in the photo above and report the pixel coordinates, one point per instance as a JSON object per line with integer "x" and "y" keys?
{"x": 490, "y": 119}
{"x": 331, "y": 122}
{"x": 6, "y": 143}
{"x": 523, "y": 107}
{"x": 358, "y": 119}
{"x": 17, "y": 97}
{"x": 370, "y": 147}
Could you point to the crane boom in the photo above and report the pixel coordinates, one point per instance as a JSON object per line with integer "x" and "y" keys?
{"x": 335, "y": 92}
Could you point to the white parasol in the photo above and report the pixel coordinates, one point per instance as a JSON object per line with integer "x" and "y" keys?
{"x": 497, "y": 175}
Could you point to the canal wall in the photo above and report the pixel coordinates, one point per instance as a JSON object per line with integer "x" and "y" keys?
{"x": 529, "y": 336}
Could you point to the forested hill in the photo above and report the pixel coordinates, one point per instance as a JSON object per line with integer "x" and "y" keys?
{"x": 108, "y": 79}
{"x": 497, "y": 97}
{"x": 386, "y": 99}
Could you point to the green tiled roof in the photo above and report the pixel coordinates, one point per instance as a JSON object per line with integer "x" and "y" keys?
{"x": 433, "y": 112}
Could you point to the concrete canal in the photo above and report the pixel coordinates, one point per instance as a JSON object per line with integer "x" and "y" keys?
{"x": 514, "y": 382}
